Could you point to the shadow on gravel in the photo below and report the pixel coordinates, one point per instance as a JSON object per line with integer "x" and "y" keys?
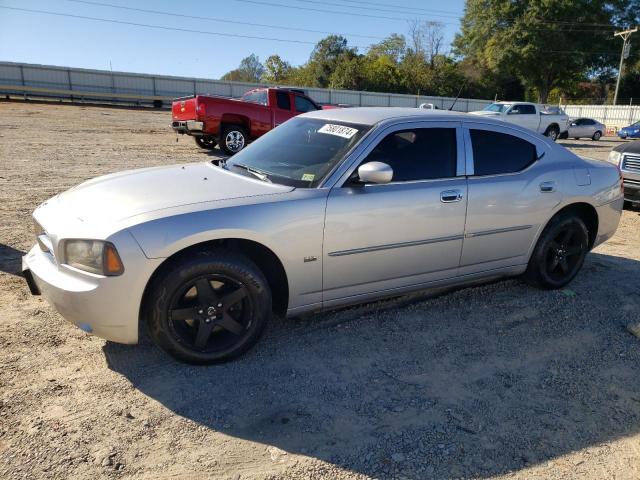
{"x": 10, "y": 259}
{"x": 478, "y": 382}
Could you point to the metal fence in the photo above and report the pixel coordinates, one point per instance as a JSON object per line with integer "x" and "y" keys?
{"x": 31, "y": 80}
{"x": 77, "y": 83}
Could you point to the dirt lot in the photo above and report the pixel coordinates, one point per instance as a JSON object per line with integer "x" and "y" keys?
{"x": 494, "y": 381}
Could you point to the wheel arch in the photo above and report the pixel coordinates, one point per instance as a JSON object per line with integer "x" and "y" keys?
{"x": 586, "y": 212}
{"x": 551, "y": 126}
{"x": 235, "y": 119}
{"x": 264, "y": 258}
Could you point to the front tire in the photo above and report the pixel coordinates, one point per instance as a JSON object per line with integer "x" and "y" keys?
{"x": 233, "y": 139}
{"x": 206, "y": 142}
{"x": 596, "y": 136}
{"x": 208, "y": 307}
{"x": 559, "y": 253}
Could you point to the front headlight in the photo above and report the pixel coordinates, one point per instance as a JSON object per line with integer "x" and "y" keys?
{"x": 93, "y": 256}
{"x": 614, "y": 157}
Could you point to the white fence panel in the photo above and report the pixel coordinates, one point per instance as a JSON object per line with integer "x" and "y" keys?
{"x": 10, "y": 75}
{"x": 614, "y": 117}
{"x": 133, "y": 84}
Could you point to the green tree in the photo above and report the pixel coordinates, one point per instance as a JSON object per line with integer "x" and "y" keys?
{"x": 326, "y": 56}
{"x": 547, "y": 44}
{"x": 276, "y": 70}
{"x": 250, "y": 70}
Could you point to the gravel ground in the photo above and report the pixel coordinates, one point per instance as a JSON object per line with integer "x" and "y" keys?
{"x": 494, "y": 381}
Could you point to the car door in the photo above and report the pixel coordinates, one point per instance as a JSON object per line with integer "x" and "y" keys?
{"x": 511, "y": 190}
{"x": 303, "y": 105}
{"x": 282, "y": 111}
{"x": 524, "y": 115}
{"x": 385, "y": 237}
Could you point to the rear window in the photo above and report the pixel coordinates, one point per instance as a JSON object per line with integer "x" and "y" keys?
{"x": 495, "y": 153}
{"x": 259, "y": 96}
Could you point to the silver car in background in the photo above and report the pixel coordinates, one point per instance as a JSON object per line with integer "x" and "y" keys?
{"x": 332, "y": 208}
{"x": 586, "y": 128}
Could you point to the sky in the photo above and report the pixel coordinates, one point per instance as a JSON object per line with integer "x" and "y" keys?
{"x": 181, "y": 47}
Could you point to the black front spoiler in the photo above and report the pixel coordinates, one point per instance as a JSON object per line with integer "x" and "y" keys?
{"x": 28, "y": 276}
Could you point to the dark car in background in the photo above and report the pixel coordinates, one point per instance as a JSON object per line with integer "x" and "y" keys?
{"x": 627, "y": 157}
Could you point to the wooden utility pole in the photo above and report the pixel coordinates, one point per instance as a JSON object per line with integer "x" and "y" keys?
{"x": 625, "y": 54}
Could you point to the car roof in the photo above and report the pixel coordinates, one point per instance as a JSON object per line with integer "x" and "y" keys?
{"x": 374, "y": 115}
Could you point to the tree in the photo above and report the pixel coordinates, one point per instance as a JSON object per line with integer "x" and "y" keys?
{"x": 276, "y": 70}
{"x": 326, "y": 56}
{"x": 394, "y": 47}
{"x": 547, "y": 44}
{"x": 250, "y": 70}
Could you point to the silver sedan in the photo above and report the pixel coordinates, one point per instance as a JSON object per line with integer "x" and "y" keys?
{"x": 332, "y": 208}
{"x": 586, "y": 128}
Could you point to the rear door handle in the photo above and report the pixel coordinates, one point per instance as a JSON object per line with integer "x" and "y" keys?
{"x": 547, "y": 187}
{"x": 449, "y": 196}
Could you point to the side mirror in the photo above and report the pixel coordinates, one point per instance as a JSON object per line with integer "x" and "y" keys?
{"x": 375, "y": 172}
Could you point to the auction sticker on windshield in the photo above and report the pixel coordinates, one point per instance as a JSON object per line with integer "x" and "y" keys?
{"x": 339, "y": 130}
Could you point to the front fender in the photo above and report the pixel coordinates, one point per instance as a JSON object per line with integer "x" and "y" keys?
{"x": 291, "y": 229}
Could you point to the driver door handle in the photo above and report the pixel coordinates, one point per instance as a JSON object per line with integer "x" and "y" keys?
{"x": 450, "y": 196}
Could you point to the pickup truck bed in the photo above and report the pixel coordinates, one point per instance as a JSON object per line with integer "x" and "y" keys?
{"x": 233, "y": 123}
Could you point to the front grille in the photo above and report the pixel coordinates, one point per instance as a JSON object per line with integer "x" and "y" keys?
{"x": 632, "y": 182}
{"x": 631, "y": 163}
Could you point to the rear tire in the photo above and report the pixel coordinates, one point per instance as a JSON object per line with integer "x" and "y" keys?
{"x": 207, "y": 307}
{"x": 596, "y": 136}
{"x": 559, "y": 253}
{"x": 233, "y": 139}
{"x": 206, "y": 142}
{"x": 552, "y": 132}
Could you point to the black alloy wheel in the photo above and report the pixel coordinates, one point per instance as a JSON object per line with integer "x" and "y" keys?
{"x": 559, "y": 253}
{"x": 211, "y": 313}
{"x": 207, "y": 307}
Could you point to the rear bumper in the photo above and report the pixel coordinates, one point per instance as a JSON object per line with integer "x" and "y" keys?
{"x": 608, "y": 220}
{"x": 190, "y": 127}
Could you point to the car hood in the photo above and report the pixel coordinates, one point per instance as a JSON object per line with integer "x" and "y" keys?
{"x": 126, "y": 194}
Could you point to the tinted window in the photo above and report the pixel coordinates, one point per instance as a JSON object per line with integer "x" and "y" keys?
{"x": 283, "y": 100}
{"x": 419, "y": 154}
{"x": 304, "y": 105}
{"x": 495, "y": 153}
{"x": 588, "y": 121}
{"x": 524, "y": 109}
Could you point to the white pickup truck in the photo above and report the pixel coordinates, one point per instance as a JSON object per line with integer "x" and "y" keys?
{"x": 529, "y": 115}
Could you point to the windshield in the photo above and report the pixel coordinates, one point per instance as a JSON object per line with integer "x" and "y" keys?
{"x": 637, "y": 124}
{"x": 298, "y": 153}
{"x": 496, "y": 107}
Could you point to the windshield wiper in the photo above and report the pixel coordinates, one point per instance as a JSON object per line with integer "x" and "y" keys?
{"x": 256, "y": 173}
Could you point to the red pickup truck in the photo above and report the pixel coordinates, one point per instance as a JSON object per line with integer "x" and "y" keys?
{"x": 232, "y": 123}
